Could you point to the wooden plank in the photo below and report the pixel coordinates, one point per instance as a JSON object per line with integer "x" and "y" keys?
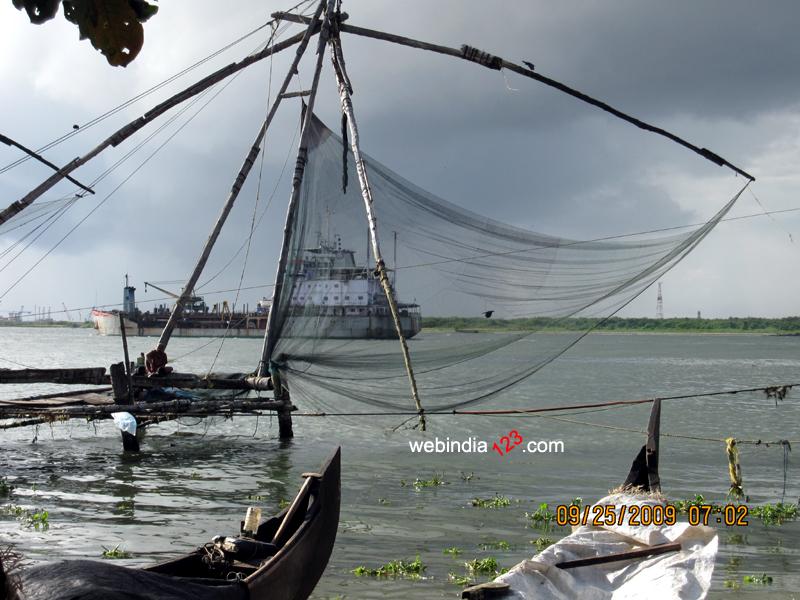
{"x": 81, "y": 375}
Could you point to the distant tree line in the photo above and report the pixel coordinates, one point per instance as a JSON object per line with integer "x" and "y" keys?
{"x": 682, "y": 324}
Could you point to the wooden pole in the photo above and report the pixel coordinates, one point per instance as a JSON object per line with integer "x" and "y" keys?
{"x": 127, "y": 358}
{"x": 366, "y": 194}
{"x": 33, "y": 154}
{"x": 270, "y": 335}
{"x": 129, "y": 441}
{"x": 128, "y": 130}
{"x": 601, "y": 560}
{"x": 496, "y": 62}
{"x": 157, "y": 357}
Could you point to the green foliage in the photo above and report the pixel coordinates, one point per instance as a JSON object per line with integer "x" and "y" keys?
{"x": 498, "y": 545}
{"x": 255, "y": 497}
{"x": 283, "y": 503}
{"x": 542, "y": 517}
{"x": 620, "y": 324}
{"x": 497, "y": 502}
{"x": 37, "y": 518}
{"x": 396, "y": 568}
{"x": 542, "y": 542}
{"x": 114, "y": 553}
{"x": 454, "y": 551}
{"x": 682, "y": 506}
{"x": 770, "y": 514}
{"x": 461, "y": 580}
{"x": 112, "y": 26}
{"x": 775, "y": 514}
{"x": 732, "y": 584}
{"x": 762, "y": 579}
{"x": 419, "y": 484}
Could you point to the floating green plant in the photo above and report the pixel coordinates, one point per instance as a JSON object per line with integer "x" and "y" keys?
{"x": 283, "y": 503}
{"x": 38, "y": 519}
{"x": 461, "y": 580}
{"x": 498, "y": 545}
{"x": 762, "y": 579}
{"x": 497, "y": 502}
{"x": 419, "y": 484}
{"x": 483, "y": 566}
{"x": 542, "y": 542}
{"x": 5, "y": 487}
{"x": 452, "y": 551}
{"x": 396, "y": 568}
{"x": 542, "y": 517}
{"x": 115, "y": 553}
{"x": 775, "y": 514}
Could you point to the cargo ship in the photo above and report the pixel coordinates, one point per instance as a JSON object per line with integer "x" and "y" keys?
{"x": 331, "y": 291}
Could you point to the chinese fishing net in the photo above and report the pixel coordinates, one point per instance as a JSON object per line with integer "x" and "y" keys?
{"x": 332, "y": 314}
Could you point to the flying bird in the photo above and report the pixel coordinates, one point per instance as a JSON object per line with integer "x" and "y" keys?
{"x": 488, "y": 314}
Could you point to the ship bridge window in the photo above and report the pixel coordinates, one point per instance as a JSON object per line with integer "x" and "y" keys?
{"x": 361, "y": 297}
{"x": 324, "y": 297}
{"x": 336, "y": 297}
{"x": 347, "y": 297}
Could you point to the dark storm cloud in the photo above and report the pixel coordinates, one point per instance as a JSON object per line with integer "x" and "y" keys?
{"x": 490, "y": 141}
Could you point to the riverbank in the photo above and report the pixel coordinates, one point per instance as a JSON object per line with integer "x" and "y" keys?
{"x": 731, "y": 325}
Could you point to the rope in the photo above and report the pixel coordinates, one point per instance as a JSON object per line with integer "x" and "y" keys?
{"x": 734, "y": 468}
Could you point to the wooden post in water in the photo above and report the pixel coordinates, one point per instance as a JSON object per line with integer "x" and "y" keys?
{"x": 129, "y": 441}
{"x": 270, "y": 335}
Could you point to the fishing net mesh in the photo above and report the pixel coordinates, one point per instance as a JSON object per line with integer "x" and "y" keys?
{"x": 331, "y": 313}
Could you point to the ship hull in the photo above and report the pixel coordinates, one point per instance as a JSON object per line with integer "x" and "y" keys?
{"x": 363, "y": 327}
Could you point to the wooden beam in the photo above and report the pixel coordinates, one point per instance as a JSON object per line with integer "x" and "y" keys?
{"x": 94, "y": 375}
{"x": 128, "y": 130}
{"x": 33, "y": 154}
{"x": 496, "y": 62}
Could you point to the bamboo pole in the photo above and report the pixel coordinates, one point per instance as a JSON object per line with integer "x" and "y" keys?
{"x": 157, "y": 357}
{"x": 128, "y": 130}
{"x": 33, "y": 154}
{"x": 496, "y": 62}
{"x": 127, "y": 357}
{"x": 270, "y": 336}
{"x": 366, "y": 193}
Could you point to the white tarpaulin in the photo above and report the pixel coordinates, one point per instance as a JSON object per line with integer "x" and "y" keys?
{"x": 684, "y": 575}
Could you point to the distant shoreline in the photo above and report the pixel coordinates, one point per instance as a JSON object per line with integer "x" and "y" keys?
{"x": 47, "y": 325}
{"x": 789, "y": 326}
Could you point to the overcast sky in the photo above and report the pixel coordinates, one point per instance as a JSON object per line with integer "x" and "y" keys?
{"x": 723, "y": 74}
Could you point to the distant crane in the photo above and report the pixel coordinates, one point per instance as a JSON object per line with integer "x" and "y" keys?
{"x": 66, "y": 312}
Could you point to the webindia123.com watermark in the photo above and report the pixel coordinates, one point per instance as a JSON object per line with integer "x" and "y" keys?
{"x": 472, "y": 445}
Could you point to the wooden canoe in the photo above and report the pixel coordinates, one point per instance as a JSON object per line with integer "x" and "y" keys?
{"x": 283, "y": 560}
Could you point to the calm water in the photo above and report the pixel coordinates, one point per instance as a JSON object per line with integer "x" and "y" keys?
{"x": 192, "y": 479}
